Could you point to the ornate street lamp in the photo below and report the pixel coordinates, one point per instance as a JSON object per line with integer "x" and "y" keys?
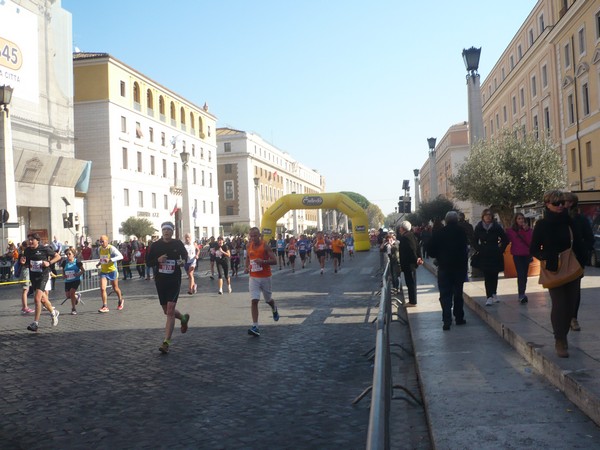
{"x": 257, "y": 201}
{"x": 417, "y": 193}
{"x": 433, "y": 190}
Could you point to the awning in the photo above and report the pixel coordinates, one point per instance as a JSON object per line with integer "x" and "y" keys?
{"x": 83, "y": 183}
{"x": 49, "y": 170}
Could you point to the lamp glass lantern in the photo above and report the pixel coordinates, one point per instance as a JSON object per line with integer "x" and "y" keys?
{"x": 431, "y": 142}
{"x": 5, "y": 95}
{"x": 416, "y": 172}
{"x": 471, "y": 59}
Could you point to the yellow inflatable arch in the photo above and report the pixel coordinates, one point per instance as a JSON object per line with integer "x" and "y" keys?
{"x": 360, "y": 222}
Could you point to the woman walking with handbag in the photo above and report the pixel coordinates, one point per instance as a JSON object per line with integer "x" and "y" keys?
{"x": 519, "y": 235}
{"x": 490, "y": 241}
{"x": 553, "y": 238}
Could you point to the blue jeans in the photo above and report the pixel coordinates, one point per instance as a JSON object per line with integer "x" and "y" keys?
{"x": 522, "y": 266}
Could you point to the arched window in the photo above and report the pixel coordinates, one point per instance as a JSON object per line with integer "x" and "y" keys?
{"x": 173, "y": 111}
{"x": 192, "y": 124}
{"x": 182, "y": 116}
{"x": 149, "y": 99}
{"x": 136, "y": 92}
{"x": 200, "y": 127}
{"x": 161, "y": 105}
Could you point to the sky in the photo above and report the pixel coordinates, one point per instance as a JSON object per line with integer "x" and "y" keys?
{"x": 351, "y": 89}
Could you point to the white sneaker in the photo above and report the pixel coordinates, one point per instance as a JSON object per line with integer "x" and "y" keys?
{"x": 229, "y": 289}
{"x": 489, "y": 301}
{"x": 55, "y": 315}
{"x": 496, "y": 299}
{"x": 220, "y": 291}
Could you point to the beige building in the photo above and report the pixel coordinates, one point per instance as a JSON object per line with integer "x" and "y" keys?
{"x": 40, "y": 180}
{"x": 547, "y": 81}
{"x": 253, "y": 174}
{"x": 134, "y": 131}
{"x": 450, "y": 153}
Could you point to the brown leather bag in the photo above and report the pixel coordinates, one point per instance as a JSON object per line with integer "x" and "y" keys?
{"x": 569, "y": 269}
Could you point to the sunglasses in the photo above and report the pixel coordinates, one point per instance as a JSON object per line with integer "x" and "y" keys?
{"x": 559, "y": 203}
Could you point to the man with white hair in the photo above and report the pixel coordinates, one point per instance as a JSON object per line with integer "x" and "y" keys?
{"x": 410, "y": 259}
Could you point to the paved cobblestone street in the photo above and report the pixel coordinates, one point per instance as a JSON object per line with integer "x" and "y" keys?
{"x": 98, "y": 380}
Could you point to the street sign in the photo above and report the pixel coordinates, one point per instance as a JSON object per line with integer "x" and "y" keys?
{"x": 10, "y": 225}
{"x": 4, "y": 215}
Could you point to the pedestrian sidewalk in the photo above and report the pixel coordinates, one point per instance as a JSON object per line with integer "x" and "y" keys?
{"x": 472, "y": 379}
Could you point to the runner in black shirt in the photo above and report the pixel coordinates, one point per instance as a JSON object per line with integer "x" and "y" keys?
{"x": 38, "y": 258}
{"x": 166, "y": 256}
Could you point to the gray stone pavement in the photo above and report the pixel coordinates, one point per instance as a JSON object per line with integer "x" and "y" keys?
{"x": 480, "y": 393}
{"x": 98, "y": 380}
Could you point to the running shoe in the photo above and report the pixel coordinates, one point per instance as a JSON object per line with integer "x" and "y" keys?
{"x": 212, "y": 277}
{"x": 184, "y": 322}
{"x": 27, "y": 311}
{"x": 121, "y": 303}
{"x": 229, "y": 289}
{"x": 220, "y": 291}
{"x": 55, "y": 315}
{"x": 195, "y": 288}
{"x": 321, "y": 271}
{"x": 164, "y": 348}
{"x": 254, "y": 331}
{"x": 32, "y": 326}
{"x": 73, "y": 312}
{"x": 77, "y": 298}
{"x": 104, "y": 309}
{"x": 275, "y": 314}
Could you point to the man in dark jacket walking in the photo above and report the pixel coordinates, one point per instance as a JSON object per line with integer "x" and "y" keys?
{"x": 410, "y": 259}
{"x": 449, "y": 246}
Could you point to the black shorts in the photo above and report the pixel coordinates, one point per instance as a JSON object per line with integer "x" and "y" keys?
{"x": 72, "y": 285}
{"x": 168, "y": 289}
{"x": 292, "y": 258}
{"x": 281, "y": 253}
{"x": 320, "y": 253}
{"x": 39, "y": 281}
{"x": 337, "y": 256}
{"x": 302, "y": 256}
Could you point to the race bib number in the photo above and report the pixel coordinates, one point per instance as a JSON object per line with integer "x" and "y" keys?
{"x": 167, "y": 267}
{"x": 103, "y": 260}
{"x": 218, "y": 253}
{"x": 36, "y": 266}
{"x": 321, "y": 246}
{"x": 70, "y": 274}
{"x": 292, "y": 252}
{"x": 255, "y": 267}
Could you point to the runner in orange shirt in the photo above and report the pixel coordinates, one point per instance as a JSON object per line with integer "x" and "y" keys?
{"x": 337, "y": 246}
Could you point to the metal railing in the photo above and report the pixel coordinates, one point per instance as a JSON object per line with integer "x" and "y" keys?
{"x": 382, "y": 389}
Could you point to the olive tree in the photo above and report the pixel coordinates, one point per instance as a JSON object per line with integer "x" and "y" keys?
{"x": 509, "y": 170}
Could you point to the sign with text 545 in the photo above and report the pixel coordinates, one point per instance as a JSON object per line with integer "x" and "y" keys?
{"x": 19, "y": 51}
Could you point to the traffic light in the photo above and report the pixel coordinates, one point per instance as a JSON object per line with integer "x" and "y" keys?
{"x": 401, "y": 204}
{"x": 67, "y": 220}
{"x": 407, "y": 205}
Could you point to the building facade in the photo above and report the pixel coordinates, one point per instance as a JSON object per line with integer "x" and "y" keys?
{"x": 134, "y": 131}
{"x": 547, "y": 81}
{"x": 451, "y": 151}
{"x": 253, "y": 174}
{"x": 41, "y": 180}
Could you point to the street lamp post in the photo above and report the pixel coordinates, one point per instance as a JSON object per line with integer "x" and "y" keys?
{"x": 8, "y": 194}
{"x": 257, "y": 202}
{"x": 417, "y": 194}
{"x": 185, "y": 208}
{"x": 433, "y": 189}
{"x": 471, "y": 59}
